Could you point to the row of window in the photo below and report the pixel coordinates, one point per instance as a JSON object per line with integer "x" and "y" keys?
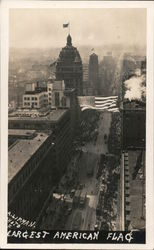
{"x": 32, "y": 98}
{"x": 28, "y": 103}
{"x": 35, "y": 126}
{"x": 28, "y": 169}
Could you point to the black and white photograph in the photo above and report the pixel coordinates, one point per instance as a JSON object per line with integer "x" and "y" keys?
{"x": 78, "y": 114}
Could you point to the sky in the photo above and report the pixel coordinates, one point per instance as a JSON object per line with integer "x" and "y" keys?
{"x": 43, "y": 28}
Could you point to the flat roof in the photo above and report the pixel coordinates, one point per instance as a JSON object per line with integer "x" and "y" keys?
{"x": 52, "y": 116}
{"x": 132, "y": 105}
{"x": 69, "y": 90}
{"x": 137, "y": 188}
{"x": 55, "y": 115}
{"x": 21, "y": 132}
{"x": 35, "y": 92}
{"x": 21, "y": 152}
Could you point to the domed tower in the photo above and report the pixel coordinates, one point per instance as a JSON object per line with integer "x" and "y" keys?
{"x": 69, "y": 67}
{"x": 93, "y": 73}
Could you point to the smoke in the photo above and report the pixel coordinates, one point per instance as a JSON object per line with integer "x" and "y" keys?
{"x": 138, "y": 72}
{"x": 135, "y": 87}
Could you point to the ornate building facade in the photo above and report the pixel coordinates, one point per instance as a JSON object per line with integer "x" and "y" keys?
{"x": 69, "y": 67}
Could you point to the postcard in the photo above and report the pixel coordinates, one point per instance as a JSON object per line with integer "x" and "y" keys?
{"x": 77, "y": 125}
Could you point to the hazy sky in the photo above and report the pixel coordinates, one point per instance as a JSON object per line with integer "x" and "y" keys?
{"x": 39, "y": 28}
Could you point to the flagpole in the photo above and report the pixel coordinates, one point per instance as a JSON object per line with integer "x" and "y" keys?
{"x": 69, "y": 28}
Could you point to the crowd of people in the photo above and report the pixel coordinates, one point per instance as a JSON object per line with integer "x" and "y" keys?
{"x": 89, "y": 126}
{"x": 109, "y": 177}
{"x": 109, "y": 174}
{"x": 114, "y": 139}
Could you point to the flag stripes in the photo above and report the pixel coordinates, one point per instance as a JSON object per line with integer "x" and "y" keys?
{"x": 108, "y": 103}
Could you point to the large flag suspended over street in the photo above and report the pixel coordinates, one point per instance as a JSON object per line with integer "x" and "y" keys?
{"x": 108, "y": 103}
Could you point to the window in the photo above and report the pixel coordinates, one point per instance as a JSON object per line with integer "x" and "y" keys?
{"x": 35, "y": 98}
{"x": 63, "y": 101}
{"x": 14, "y": 188}
{"x": 57, "y": 101}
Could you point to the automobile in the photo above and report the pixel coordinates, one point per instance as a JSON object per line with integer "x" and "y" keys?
{"x": 77, "y": 221}
{"x": 140, "y": 171}
{"x": 141, "y": 176}
{"x": 82, "y": 143}
{"x": 72, "y": 193}
{"x": 105, "y": 137}
{"x": 83, "y": 197}
{"x": 68, "y": 211}
{"x": 80, "y": 186}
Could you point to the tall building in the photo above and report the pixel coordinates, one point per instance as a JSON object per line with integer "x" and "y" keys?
{"x": 85, "y": 78}
{"x": 133, "y": 174}
{"x": 40, "y": 149}
{"x": 93, "y": 73}
{"x": 31, "y": 164}
{"x": 56, "y": 94}
{"x": 69, "y": 67}
{"x": 133, "y": 106}
{"x": 60, "y": 97}
{"x": 107, "y": 74}
{"x": 134, "y": 122}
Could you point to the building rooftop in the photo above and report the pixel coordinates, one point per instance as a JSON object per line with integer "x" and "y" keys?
{"x": 21, "y": 152}
{"x": 52, "y": 116}
{"x": 21, "y": 132}
{"x": 134, "y": 104}
{"x": 137, "y": 188}
{"x": 55, "y": 115}
{"x": 69, "y": 90}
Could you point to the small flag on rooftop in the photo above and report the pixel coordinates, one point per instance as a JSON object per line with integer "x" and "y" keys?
{"x": 65, "y": 25}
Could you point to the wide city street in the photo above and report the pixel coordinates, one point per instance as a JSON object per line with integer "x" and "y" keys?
{"x": 90, "y": 156}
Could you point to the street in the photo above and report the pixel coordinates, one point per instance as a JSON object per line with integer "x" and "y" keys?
{"x": 90, "y": 156}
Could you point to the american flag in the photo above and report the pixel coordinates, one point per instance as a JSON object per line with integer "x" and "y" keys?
{"x": 108, "y": 103}
{"x": 65, "y": 25}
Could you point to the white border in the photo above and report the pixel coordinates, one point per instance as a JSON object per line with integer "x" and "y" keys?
{"x": 5, "y": 5}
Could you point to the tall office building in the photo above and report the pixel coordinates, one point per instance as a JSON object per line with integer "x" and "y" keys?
{"x": 85, "y": 78}
{"x": 107, "y": 75}
{"x": 93, "y": 73}
{"x": 69, "y": 67}
{"x": 40, "y": 148}
{"x": 133, "y": 113}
